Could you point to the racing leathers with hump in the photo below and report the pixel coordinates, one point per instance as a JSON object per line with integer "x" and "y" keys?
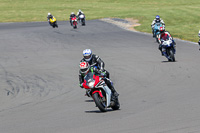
{"x": 156, "y": 20}
{"x": 95, "y": 62}
{"x": 164, "y": 36}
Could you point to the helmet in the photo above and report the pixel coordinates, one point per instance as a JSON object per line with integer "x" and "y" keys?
{"x": 162, "y": 30}
{"x": 72, "y": 13}
{"x": 84, "y": 67}
{"x": 157, "y": 18}
{"x": 87, "y": 54}
{"x": 79, "y": 10}
{"x": 49, "y": 14}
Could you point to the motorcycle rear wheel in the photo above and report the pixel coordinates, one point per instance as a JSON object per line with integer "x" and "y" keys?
{"x": 101, "y": 104}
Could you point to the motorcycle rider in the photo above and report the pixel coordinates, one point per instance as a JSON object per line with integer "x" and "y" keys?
{"x": 86, "y": 68}
{"x": 94, "y": 61}
{"x": 71, "y": 16}
{"x": 164, "y": 36}
{"x": 79, "y": 13}
{"x": 49, "y": 16}
{"x": 156, "y": 20}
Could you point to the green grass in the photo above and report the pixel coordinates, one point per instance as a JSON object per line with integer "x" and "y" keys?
{"x": 182, "y": 17}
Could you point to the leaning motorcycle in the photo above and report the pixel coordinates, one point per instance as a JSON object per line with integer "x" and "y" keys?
{"x": 170, "y": 49}
{"x": 53, "y": 22}
{"x": 74, "y": 22}
{"x": 97, "y": 89}
{"x": 157, "y": 30}
{"x": 82, "y": 19}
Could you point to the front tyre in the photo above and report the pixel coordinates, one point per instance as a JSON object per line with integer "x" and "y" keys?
{"x": 100, "y": 103}
{"x": 74, "y": 25}
{"x": 172, "y": 57}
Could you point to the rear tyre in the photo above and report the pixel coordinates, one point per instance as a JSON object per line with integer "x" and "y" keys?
{"x": 83, "y": 22}
{"x": 101, "y": 104}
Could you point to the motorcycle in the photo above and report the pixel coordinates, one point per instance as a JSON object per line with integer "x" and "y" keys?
{"x": 82, "y": 19}
{"x": 170, "y": 49}
{"x": 74, "y": 22}
{"x": 97, "y": 89}
{"x": 157, "y": 30}
{"x": 53, "y": 22}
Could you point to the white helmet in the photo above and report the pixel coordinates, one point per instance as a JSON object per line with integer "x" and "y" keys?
{"x": 87, "y": 54}
{"x": 49, "y": 14}
{"x": 72, "y": 13}
{"x": 79, "y": 10}
{"x": 84, "y": 67}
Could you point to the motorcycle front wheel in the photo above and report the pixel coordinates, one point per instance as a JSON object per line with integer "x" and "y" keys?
{"x": 172, "y": 57}
{"x": 74, "y": 25}
{"x": 100, "y": 102}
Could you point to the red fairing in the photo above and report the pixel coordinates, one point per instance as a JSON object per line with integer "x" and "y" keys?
{"x": 85, "y": 86}
{"x": 98, "y": 92}
{"x": 74, "y": 18}
{"x": 96, "y": 80}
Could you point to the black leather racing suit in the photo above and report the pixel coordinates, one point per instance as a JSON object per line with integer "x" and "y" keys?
{"x": 98, "y": 63}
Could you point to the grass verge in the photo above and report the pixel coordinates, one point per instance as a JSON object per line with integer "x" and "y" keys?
{"x": 181, "y": 16}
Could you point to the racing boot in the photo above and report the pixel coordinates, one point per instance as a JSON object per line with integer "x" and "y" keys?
{"x": 114, "y": 92}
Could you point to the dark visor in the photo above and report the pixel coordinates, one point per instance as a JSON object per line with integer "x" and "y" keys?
{"x": 87, "y": 57}
{"x": 84, "y": 69}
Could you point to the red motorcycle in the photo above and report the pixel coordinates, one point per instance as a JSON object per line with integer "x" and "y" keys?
{"x": 74, "y": 22}
{"x": 97, "y": 89}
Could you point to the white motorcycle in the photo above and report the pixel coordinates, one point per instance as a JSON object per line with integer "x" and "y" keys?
{"x": 82, "y": 19}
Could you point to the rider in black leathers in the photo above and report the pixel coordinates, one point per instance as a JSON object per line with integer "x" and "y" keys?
{"x": 96, "y": 62}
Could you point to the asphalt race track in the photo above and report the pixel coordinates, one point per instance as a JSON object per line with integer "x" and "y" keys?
{"x": 39, "y": 87}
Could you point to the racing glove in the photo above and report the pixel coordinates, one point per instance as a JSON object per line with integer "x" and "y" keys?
{"x": 81, "y": 85}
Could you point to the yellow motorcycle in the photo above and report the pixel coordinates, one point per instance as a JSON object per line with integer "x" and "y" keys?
{"x": 53, "y": 22}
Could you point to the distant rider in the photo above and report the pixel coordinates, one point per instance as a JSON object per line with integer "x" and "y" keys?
{"x": 86, "y": 68}
{"x": 49, "y": 16}
{"x": 71, "y": 16}
{"x": 79, "y": 13}
{"x": 164, "y": 36}
{"x": 156, "y": 20}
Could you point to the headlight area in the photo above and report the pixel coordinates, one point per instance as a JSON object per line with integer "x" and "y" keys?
{"x": 91, "y": 84}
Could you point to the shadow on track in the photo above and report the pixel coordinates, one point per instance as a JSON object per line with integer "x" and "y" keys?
{"x": 98, "y": 111}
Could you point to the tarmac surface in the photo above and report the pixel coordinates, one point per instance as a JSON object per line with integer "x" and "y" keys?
{"x": 39, "y": 87}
